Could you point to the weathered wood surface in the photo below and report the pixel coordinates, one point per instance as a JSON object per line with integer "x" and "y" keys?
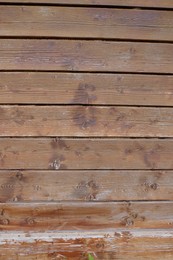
{"x": 107, "y": 244}
{"x": 84, "y": 88}
{"x": 85, "y": 121}
{"x": 84, "y": 185}
{"x": 76, "y": 55}
{"x": 54, "y": 153}
{"x": 131, "y": 3}
{"x": 85, "y": 22}
{"x": 63, "y": 195}
{"x": 85, "y": 216}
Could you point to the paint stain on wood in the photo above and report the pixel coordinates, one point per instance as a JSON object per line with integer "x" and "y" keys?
{"x": 59, "y": 143}
{"x": 85, "y": 94}
{"x": 85, "y": 117}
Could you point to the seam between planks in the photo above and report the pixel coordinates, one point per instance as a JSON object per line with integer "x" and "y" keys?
{"x": 31, "y": 3}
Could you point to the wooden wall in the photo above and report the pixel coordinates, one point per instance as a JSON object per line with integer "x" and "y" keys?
{"x": 86, "y": 128}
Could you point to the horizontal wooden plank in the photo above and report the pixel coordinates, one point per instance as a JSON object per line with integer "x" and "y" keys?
{"x": 105, "y": 245}
{"x": 133, "y": 3}
{"x": 101, "y": 23}
{"x": 85, "y": 185}
{"x": 46, "y": 153}
{"x": 75, "y": 55}
{"x": 86, "y": 121}
{"x": 84, "y": 88}
{"x": 85, "y": 216}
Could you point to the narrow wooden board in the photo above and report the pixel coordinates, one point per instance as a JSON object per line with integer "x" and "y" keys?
{"x": 85, "y": 216}
{"x": 75, "y": 55}
{"x": 84, "y": 88}
{"x": 120, "y": 244}
{"x": 86, "y": 121}
{"x": 85, "y": 185}
{"x": 90, "y": 22}
{"x": 46, "y": 153}
{"x": 131, "y": 3}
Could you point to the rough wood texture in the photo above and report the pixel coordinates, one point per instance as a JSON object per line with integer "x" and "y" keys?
{"x": 85, "y": 185}
{"x": 45, "y": 153}
{"x": 85, "y": 121}
{"x": 85, "y": 216}
{"x": 131, "y": 3}
{"x": 84, "y": 88}
{"x": 86, "y": 135}
{"x": 70, "y": 55}
{"x": 86, "y": 22}
{"x": 115, "y": 244}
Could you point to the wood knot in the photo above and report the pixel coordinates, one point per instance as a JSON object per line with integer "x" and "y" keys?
{"x": 19, "y": 176}
{"x": 55, "y": 165}
{"x": 126, "y": 236}
{"x": 15, "y": 199}
{"x": 4, "y": 221}
{"x": 100, "y": 245}
{"x": 116, "y": 234}
{"x": 30, "y": 221}
{"x": 36, "y": 187}
{"x": 154, "y": 186}
{"x": 150, "y": 186}
{"x": 128, "y": 221}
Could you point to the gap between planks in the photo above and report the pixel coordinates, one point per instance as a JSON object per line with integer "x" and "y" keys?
{"x": 156, "y": 4}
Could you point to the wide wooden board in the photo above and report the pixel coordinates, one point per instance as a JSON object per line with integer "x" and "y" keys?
{"x": 85, "y": 216}
{"x": 103, "y": 23}
{"x": 85, "y": 88}
{"x": 76, "y": 55}
{"x": 84, "y": 185}
{"x": 131, "y": 3}
{"x": 55, "y": 153}
{"x": 107, "y": 244}
{"x": 86, "y": 121}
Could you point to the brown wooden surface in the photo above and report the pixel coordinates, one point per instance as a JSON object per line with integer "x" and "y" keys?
{"x": 86, "y": 136}
{"x": 85, "y": 216}
{"x": 85, "y": 121}
{"x": 76, "y": 55}
{"x": 84, "y": 88}
{"x": 131, "y": 3}
{"x": 120, "y": 244}
{"x": 86, "y": 22}
{"x": 46, "y": 153}
{"x": 85, "y": 185}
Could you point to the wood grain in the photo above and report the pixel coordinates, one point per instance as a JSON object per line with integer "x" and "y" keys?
{"x": 56, "y": 153}
{"x": 86, "y": 121}
{"x": 75, "y": 55}
{"x": 107, "y": 244}
{"x": 85, "y": 216}
{"x": 86, "y": 133}
{"x": 90, "y": 22}
{"x": 85, "y": 185}
{"x": 84, "y": 88}
{"x": 131, "y": 3}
